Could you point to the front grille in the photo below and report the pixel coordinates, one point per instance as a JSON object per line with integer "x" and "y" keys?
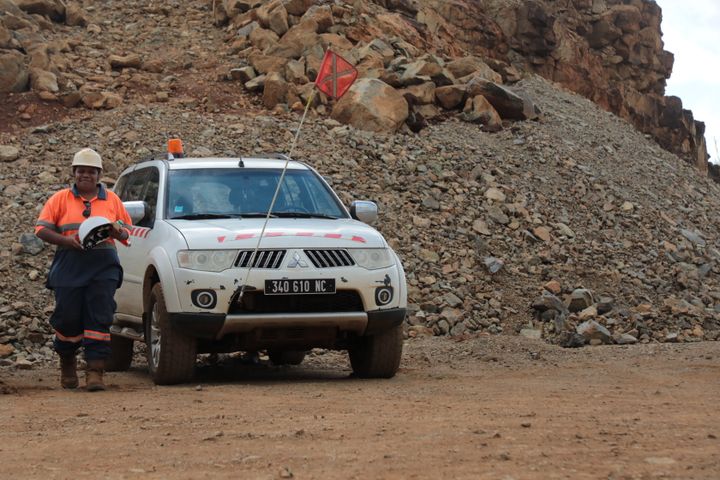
{"x": 329, "y": 258}
{"x": 258, "y": 302}
{"x": 263, "y": 259}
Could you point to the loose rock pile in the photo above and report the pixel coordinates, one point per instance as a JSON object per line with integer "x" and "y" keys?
{"x": 572, "y": 226}
{"x": 282, "y": 45}
{"x": 610, "y": 51}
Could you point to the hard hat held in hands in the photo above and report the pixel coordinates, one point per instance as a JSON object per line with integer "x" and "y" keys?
{"x": 87, "y": 157}
{"x": 94, "y": 231}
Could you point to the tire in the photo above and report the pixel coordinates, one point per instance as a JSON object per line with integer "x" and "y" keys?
{"x": 121, "y": 354}
{"x": 170, "y": 354}
{"x": 377, "y": 356}
{"x": 286, "y": 357}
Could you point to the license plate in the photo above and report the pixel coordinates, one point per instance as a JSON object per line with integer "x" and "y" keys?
{"x": 299, "y": 286}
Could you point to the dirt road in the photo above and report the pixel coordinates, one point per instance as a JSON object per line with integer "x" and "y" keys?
{"x": 487, "y": 407}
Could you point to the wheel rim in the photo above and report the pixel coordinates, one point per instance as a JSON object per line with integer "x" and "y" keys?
{"x": 155, "y": 337}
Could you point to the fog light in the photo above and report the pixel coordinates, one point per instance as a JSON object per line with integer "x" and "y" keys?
{"x": 204, "y": 298}
{"x": 383, "y": 295}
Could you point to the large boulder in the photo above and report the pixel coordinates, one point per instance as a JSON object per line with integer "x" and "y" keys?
{"x": 508, "y": 104}
{"x": 273, "y": 16}
{"x": 14, "y": 74}
{"x": 5, "y": 37}
{"x": 7, "y": 6}
{"x": 53, "y": 9}
{"x": 296, "y": 41}
{"x": 450, "y": 96}
{"x": 478, "y": 110}
{"x": 320, "y": 15}
{"x": 131, "y": 60}
{"x": 263, "y": 38}
{"x": 234, "y": 8}
{"x": 75, "y": 16}
{"x": 43, "y": 81}
{"x": 266, "y": 63}
{"x": 275, "y": 90}
{"x": 421, "y": 94}
{"x": 372, "y": 105}
{"x": 298, "y": 7}
{"x": 462, "y": 67}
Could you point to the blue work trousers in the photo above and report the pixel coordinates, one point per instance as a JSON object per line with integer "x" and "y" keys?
{"x": 82, "y": 317}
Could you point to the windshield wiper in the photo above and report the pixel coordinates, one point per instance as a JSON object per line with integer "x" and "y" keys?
{"x": 305, "y": 215}
{"x": 204, "y": 216}
{"x": 256, "y": 215}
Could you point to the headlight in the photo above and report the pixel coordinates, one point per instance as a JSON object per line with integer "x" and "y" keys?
{"x": 206, "y": 260}
{"x": 372, "y": 258}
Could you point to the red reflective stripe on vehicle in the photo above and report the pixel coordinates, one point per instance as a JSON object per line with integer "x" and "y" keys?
{"x": 245, "y": 236}
{"x": 139, "y": 232}
{"x": 75, "y": 339}
{"x": 93, "y": 335}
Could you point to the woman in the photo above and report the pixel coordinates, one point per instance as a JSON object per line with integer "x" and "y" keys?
{"x": 84, "y": 281}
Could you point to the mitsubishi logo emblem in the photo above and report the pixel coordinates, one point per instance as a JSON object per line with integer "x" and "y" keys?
{"x": 297, "y": 261}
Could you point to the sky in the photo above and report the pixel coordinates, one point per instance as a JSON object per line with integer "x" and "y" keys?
{"x": 691, "y": 30}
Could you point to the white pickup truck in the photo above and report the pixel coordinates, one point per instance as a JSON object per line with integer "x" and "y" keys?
{"x": 194, "y": 283}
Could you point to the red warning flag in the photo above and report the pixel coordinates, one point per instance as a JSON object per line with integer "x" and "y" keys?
{"x": 335, "y": 75}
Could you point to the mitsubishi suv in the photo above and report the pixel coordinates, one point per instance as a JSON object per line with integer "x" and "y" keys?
{"x": 210, "y": 270}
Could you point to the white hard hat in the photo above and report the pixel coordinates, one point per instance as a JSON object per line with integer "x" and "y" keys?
{"x": 87, "y": 157}
{"x": 93, "y": 231}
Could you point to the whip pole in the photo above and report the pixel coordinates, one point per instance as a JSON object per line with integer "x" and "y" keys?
{"x": 275, "y": 195}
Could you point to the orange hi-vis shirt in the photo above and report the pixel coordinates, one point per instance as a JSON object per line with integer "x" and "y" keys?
{"x": 63, "y": 212}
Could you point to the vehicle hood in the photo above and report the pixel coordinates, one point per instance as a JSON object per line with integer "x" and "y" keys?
{"x": 279, "y": 233}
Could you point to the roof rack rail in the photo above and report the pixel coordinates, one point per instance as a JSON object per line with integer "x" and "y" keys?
{"x": 151, "y": 157}
{"x": 277, "y": 156}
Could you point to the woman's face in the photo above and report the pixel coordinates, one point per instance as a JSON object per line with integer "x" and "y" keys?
{"x": 86, "y": 178}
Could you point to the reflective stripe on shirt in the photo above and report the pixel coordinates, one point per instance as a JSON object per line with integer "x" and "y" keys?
{"x": 63, "y": 212}
{"x": 94, "y": 335}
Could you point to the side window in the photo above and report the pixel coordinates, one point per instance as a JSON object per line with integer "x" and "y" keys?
{"x": 118, "y": 187}
{"x": 143, "y": 185}
{"x": 134, "y": 187}
{"x": 150, "y": 196}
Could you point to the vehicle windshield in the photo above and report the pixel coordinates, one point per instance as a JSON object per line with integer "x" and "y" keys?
{"x": 247, "y": 193}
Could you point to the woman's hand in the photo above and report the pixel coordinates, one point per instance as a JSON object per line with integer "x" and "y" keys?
{"x": 72, "y": 242}
{"x": 47, "y": 235}
{"x": 118, "y": 232}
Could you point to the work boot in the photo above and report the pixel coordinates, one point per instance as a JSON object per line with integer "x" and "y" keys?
{"x": 68, "y": 370}
{"x": 94, "y": 375}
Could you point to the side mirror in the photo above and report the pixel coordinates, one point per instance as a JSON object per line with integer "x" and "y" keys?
{"x": 366, "y": 212}
{"x": 137, "y": 210}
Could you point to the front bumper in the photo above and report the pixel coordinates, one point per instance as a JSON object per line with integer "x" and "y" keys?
{"x": 217, "y": 325}
{"x": 224, "y": 286}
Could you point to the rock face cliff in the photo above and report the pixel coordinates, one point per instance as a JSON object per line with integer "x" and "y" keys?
{"x": 610, "y": 51}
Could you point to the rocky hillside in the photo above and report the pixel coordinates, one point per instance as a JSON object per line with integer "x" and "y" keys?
{"x": 610, "y": 51}
{"x": 518, "y": 207}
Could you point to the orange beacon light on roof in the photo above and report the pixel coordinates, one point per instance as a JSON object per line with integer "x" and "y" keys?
{"x": 175, "y": 147}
